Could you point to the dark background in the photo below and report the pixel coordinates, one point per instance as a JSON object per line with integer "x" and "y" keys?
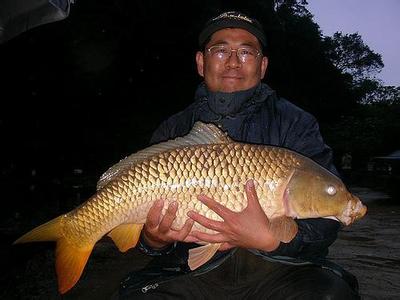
{"x": 78, "y": 95}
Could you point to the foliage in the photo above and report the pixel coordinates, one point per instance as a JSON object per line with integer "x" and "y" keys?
{"x": 296, "y": 7}
{"x": 351, "y": 55}
{"x": 371, "y": 130}
{"x": 376, "y": 92}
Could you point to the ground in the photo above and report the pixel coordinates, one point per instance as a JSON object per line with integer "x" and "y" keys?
{"x": 370, "y": 249}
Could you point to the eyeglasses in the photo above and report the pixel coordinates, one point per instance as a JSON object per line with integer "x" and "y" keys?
{"x": 224, "y": 52}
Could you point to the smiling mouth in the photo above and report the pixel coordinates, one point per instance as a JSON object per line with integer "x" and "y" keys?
{"x": 231, "y": 77}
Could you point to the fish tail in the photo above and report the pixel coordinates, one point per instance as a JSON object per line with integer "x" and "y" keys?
{"x": 70, "y": 257}
{"x": 70, "y": 262}
{"x": 50, "y": 231}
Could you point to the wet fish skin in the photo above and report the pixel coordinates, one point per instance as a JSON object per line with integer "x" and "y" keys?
{"x": 219, "y": 171}
{"x": 288, "y": 184}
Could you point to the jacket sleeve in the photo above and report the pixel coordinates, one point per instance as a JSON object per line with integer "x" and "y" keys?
{"x": 315, "y": 235}
{"x": 177, "y": 125}
{"x": 312, "y": 240}
{"x": 162, "y": 133}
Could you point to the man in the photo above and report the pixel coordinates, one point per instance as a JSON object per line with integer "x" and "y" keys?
{"x": 251, "y": 262}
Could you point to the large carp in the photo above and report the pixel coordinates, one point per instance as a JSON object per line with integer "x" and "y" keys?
{"x": 207, "y": 161}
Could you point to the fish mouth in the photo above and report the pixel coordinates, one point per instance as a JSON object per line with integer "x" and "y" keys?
{"x": 354, "y": 210}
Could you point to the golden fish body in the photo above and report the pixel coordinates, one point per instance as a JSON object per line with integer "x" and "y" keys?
{"x": 219, "y": 171}
{"x": 206, "y": 161}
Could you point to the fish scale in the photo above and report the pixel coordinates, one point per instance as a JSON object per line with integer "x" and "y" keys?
{"x": 224, "y": 180}
{"x": 225, "y": 183}
{"x": 288, "y": 185}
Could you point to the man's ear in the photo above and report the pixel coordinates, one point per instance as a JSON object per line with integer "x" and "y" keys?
{"x": 200, "y": 63}
{"x": 264, "y": 66}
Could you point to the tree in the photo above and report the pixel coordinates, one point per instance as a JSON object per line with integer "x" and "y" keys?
{"x": 351, "y": 55}
{"x": 371, "y": 130}
{"x": 297, "y": 7}
{"x": 384, "y": 94}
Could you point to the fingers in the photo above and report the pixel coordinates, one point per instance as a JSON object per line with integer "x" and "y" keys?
{"x": 251, "y": 194}
{"x": 159, "y": 226}
{"x": 206, "y": 222}
{"x": 209, "y": 238}
{"x": 219, "y": 209}
{"x": 168, "y": 218}
{"x": 226, "y": 246}
{"x": 154, "y": 214}
{"x": 182, "y": 234}
{"x": 191, "y": 239}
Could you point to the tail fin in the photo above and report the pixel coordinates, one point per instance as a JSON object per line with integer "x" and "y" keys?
{"x": 49, "y": 231}
{"x": 71, "y": 257}
{"x": 70, "y": 262}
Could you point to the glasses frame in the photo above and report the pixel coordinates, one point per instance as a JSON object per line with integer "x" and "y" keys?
{"x": 208, "y": 50}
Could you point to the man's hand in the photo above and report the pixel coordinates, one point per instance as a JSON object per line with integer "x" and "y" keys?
{"x": 247, "y": 229}
{"x": 157, "y": 231}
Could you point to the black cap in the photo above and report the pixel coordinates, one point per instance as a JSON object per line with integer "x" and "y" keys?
{"x": 232, "y": 19}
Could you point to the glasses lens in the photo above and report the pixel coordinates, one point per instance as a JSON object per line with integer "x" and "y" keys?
{"x": 223, "y": 52}
{"x": 220, "y": 52}
{"x": 247, "y": 54}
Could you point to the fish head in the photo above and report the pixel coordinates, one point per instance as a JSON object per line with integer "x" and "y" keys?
{"x": 315, "y": 192}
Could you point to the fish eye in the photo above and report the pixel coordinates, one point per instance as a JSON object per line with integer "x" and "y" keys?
{"x": 331, "y": 190}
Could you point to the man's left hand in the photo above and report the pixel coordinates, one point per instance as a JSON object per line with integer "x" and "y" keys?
{"x": 246, "y": 229}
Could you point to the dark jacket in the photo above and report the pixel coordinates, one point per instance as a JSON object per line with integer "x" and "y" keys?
{"x": 264, "y": 118}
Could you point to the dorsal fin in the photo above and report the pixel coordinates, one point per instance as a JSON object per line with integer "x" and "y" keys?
{"x": 200, "y": 134}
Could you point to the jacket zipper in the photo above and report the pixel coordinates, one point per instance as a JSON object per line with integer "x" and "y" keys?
{"x": 148, "y": 287}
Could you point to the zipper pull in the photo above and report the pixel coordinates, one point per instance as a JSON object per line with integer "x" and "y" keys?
{"x": 148, "y": 287}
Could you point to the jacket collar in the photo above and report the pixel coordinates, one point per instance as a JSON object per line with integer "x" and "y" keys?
{"x": 224, "y": 105}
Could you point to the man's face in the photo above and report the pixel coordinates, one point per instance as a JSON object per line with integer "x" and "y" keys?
{"x": 231, "y": 75}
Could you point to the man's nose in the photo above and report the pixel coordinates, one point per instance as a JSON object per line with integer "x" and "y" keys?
{"x": 233, "y": 60}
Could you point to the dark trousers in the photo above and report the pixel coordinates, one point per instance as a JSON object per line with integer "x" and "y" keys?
{"x": 247, "y": 276}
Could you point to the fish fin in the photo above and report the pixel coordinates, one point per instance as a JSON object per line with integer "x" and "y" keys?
{"x": 200, "y": 255}
{"x": 200, "y": 134}
{"x": 70, "y": 262}
{"x": 125, "y": 236}
{"x": 70, "y": 259}
{"x": 283, "y": 228}
{"x": 50, "y": 231}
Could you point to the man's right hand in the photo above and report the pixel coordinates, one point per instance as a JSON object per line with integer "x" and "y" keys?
{"x": 157, "y": 232}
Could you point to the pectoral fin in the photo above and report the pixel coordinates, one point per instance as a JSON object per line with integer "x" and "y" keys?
{"x": 125, "y": 236}
{"x": 200, "y": 255}
{"x": 283, "y": 228}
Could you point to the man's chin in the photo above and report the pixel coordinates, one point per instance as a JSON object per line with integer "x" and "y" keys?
{"x": 231, "y": 88}
{"x": 231, "y": 83}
